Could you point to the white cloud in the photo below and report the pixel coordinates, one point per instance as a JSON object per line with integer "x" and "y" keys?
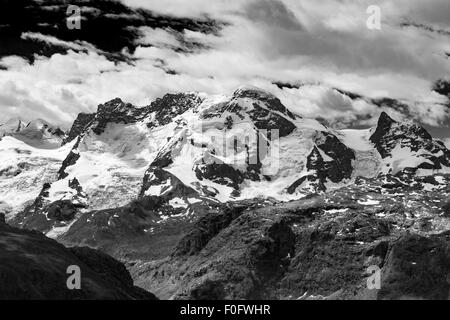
{"x": 308, "y": 41}
{"x": 447, "y": 142}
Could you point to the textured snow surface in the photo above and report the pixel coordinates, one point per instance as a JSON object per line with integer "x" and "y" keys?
{"x": 23, "y": 171}
{"x": 357, "y": 139}
{"x": 404, "y": 157}
{"x": 111, "y": 165}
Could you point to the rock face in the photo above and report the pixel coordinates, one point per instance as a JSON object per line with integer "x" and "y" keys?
{"x": 329, "y": 161}
{"x": 418, "y": 268}
{"x": 79, "y": 126}
{"x": 35, "y": 267}
{"x": 317, "y": 248}
{"x": 229, "y": 259}
{"x": 408, "y": 142}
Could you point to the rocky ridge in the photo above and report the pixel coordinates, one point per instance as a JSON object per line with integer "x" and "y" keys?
{"x": 34, "y": 267}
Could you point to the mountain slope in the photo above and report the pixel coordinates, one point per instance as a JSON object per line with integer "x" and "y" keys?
{"x": 316, "y": 248}
{"x": 24, "y": 170}
{"x": 41, "y": 134}
{"x": 34, "y": 267}
{"x": 186, "y": 153}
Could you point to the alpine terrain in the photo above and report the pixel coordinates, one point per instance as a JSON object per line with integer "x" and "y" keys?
{"x": 233, "y": 197}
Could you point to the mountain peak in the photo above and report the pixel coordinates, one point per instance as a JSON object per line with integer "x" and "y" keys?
{"x": 385, "y": 119}
{"x": 248, "y": 91}
{"x": 115, "y": 104}
{"x": 13, "y": 125}
{"x": 398, "y": 140}
{"x": 38, "y": 124}
{"x": 12, "y": 121}
{"x": 385, "y": 123}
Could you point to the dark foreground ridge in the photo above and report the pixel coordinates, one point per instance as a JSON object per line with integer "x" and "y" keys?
{"x": 35, "y": 267}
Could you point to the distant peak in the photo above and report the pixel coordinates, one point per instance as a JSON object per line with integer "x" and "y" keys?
{"x": 114, "y": 102}
{"x": 13, "y": 125}
{"x": 385, "y": 119}
{"x": 114, "y": 105}
{"x": 13, "y": 120}
{"x": 251, "y": 92}
{"x": 38, "y": 123}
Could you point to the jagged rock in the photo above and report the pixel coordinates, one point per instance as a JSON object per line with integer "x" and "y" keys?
{"x": 62, "y": 210}
{"x": 117, "y": 111}
{"x": 383, "y": 127}
{"x": 340, "y": 166}
{"x": 273, "y": 102}
{"x": 207, "y": 228}
{"x": 220, "y": 173}
{"x": 70, "y": 160}
{"x": 173, "y": 186}
{"x": 265, "y": 119}
{"x": 234, "y": 260}
{"x": 336, "y": 168}
{"x": 411, "y": 138}
{"x": 330, "y": 241}
{"x": 79, "y": 126}
{"x": 170, "y": 106}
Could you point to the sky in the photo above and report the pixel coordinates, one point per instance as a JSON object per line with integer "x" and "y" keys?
{"x": 319, "y": 57}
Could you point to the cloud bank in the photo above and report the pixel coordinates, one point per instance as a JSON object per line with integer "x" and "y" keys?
{"x": 322, "y": 49}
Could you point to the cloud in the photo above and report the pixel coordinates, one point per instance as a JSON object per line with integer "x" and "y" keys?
{"x": 192, "y": 9}
{"x": 272, "y": 13}
{"x": 323, "y": 44}
{"x": 79, "y": 46}
{"x": 447, "y": 143}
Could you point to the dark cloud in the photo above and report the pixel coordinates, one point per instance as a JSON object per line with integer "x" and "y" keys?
{"x": 107, "y": 25}
{"x": 427, "y": 28}
{"x": 389, "y": 105}
{"x": 286, "y": 85}
{"x": 273, "y": 13}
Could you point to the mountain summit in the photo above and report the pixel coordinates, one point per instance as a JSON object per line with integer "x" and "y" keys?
{"x": 190, "y": 148}
{"x": 37, "y": 133}
{"x": 11, "y": 126}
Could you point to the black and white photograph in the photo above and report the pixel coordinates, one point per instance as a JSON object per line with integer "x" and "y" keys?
{"x": 224, "y": 150}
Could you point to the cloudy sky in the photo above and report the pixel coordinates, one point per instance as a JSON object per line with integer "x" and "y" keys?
{"x": 318, "y": 57}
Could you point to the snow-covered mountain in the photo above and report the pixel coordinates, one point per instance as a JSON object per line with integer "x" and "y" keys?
{"x": 38, "y": 133}
{"x": 13, "y": 125}
{"x": 188, "y": 150}
{"x": 24, "y": 169}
